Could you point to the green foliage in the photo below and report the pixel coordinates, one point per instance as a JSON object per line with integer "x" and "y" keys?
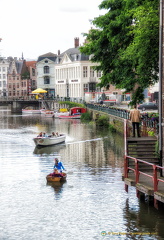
{"x": 157, "y": 149}
{"x": 112, "y": 128}
{"x": 151, "y": 133}
{"x": 86, "y": 116}
{"x": 151, "y": 115}
{"x": 72, "y": 104}
{"x": 125, "y": 44}
{"x": 102, "y": 121}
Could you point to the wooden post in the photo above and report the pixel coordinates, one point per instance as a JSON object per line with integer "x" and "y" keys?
{"x": 136, "y": 171}
{"x": 155, "y": 181}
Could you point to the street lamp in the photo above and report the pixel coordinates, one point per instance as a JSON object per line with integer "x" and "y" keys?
{"x": 160, "y": 79}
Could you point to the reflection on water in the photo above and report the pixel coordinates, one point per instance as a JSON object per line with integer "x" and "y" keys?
{"x": 48, "y": 149}
{"x": 58, "y": 188}
{"x": 92, "y": 202}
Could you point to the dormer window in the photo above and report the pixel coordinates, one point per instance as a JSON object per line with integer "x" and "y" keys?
{"x": 46, "y": 61}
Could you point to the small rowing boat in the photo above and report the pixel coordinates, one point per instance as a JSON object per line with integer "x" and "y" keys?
{"x": 58, "y": 178}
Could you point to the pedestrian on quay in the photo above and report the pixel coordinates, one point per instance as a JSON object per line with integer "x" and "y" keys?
{"x": 135, "y": 118}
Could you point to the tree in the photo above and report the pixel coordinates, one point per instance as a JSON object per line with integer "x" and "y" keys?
{"x": 125, "y": 43}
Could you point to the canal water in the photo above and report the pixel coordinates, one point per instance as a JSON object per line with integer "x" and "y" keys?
{"x": 91, "y": 204}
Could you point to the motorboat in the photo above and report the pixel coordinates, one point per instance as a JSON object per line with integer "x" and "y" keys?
{"x": 57, "y": 178}
{"x": 57, "y": 114}
{"x": 30, "y": 111}
{"x": 47, "y": 113}
{"x": 49, "y": 140}
{"x": 75, "y": 113}
{"x": 61, "y": 112}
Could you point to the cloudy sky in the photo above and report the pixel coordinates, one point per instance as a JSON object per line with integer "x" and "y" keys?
{"x": 36, "y": 27}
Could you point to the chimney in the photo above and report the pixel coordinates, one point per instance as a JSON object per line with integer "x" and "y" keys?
{"x": 58, "y": 52}
{"x": 76, "y": 42}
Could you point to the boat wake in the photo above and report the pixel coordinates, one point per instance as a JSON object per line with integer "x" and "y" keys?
{"x": 81, "y": 141}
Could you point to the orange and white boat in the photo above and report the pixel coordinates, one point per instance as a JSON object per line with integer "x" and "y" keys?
{"x": 57, "y": 178}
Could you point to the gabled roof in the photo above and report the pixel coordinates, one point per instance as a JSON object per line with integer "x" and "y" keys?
{"x": 31, "y": 64}
{"x": 49, "y": 55}
{"x": 18, "y": 66}
{"x": 75, "y": 55}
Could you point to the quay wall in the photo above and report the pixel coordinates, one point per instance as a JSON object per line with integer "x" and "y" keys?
{"x": 115, "y": 121}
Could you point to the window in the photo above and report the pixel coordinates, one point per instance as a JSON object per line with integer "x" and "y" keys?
{"x": 33, "y": 72}
{"x": 115, "y": 93}
{"x": 3, "y": 69}
{"x": 17, "y": 78}
{"x": 46, "y": 61}
{"x": 84, "y": 71}
{"x": 0, "y": 84}
{"x": 4, "y": 76}
{"x": 46, "y": 80}
{"x": 17, "y": 85}
{"x": 46, "y": 69}
{"x": 4, "y": 83}
{"x": 0, "y": 76}
{"x": 91, "y": 72}
{"x": 99, "y": 73}
{"x": 0, "y": 69}
{"x": 85, "y": 87}
{"x": 33, "y": 82}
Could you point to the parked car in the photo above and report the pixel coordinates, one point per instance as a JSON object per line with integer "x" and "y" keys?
{"x": 148, "y": 106}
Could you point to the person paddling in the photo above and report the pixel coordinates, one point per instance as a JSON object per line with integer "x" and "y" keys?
{"x": 58, "y": 165}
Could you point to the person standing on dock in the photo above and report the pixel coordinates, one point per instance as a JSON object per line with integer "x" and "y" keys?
{"x": 135, "y": 118}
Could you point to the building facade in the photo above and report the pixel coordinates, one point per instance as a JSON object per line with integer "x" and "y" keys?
{"x": 31, "y": 65}
{"x": 4, "y": 67}
{"x": 46, "y": 73}
{"x": 74, "y": 75}
{"x": 18, "y": 81}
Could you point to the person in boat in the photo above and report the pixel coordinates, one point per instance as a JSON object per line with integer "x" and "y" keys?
{"x": 40, "y": 134}
{"x": 58, "y": 165}
{"x": 53, "y": 134}
{"x": 44, "y": 135}
{"x": 56, "y": 174}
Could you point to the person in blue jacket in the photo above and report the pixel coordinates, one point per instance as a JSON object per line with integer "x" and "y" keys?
{"x": 58, "y": 165}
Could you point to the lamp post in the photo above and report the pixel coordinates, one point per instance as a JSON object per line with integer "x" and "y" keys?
{"x": 160, "y": 79}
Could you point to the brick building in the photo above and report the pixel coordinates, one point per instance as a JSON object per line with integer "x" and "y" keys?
{"x": 18, "y": 80}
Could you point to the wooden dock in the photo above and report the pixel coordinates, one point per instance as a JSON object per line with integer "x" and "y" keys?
{"x": 141, "y": 167}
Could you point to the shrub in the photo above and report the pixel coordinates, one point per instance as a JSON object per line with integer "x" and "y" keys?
{"x": 102, "y": 121}
{"x": 72, "y": 104}
{"x": 151, "y": 133}
{"x": 112, "y": 128}
{"x": 86, "y": 116}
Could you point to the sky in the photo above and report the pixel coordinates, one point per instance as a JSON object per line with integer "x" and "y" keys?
{"x": 36, "y": 27}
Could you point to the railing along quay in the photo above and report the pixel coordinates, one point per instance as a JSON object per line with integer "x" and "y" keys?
{"x": 147, "y": 124}
{"x": 122, "y": 113}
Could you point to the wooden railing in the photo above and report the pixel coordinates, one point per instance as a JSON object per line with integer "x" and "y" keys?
{"x": 153, "y": 174}
{"x": 135, "y": 172}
